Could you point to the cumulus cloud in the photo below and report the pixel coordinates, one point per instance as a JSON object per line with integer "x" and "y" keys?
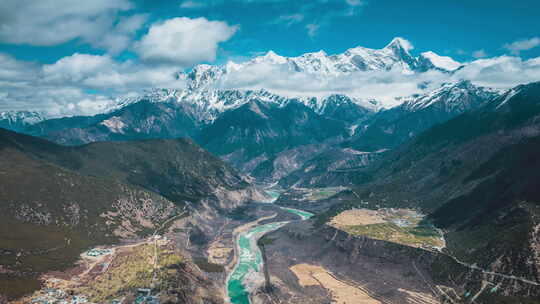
{"x": 51, "y": 22}
{"x": 522, "y": 45}
{"x": 120, "y": 36}
{"x": 77, "y": 84}
{"x": 499, "y": 72}
{"x": 184, "y": 41}
{"x": 76, "y": 67}
{"x": 102, "y": 72}
{"x": 86, "y": 84}
{"x": 384, "y": 86}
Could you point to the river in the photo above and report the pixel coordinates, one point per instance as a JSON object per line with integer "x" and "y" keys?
{"x": 247, "y": 274}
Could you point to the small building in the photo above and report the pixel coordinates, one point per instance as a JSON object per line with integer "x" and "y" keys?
{"x": 95, "y": 252}
{"x": 144, "y": 292}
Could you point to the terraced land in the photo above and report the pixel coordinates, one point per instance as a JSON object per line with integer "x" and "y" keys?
{"x": 402, "y": 226}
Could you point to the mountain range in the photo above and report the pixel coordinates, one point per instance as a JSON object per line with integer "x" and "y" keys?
{"x": 258, "y": 132}
{"x": 463, "y": 154}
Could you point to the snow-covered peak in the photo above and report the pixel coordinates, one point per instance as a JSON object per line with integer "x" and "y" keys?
{"x": 271, "y": 58}
{"x": 454, "y": 96}
{"x": 16, "y": 120}
{"x": 208, "y": 89}
{"x": 394, "y": 56}
{"x": 29, "y": 117}
{"x": 506, "y": 97}
{"x": 203, "y": 76}
{"x": 442, "y": 62}
{"x": 399, "y": 43}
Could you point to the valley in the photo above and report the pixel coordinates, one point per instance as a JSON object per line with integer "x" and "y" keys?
{"x": 204, "y": 193}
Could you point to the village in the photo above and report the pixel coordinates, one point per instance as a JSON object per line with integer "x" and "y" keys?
{"x": 121, "y": 274}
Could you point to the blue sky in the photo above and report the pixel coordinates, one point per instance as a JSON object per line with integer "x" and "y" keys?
{"x": 71, "y": 56}
{"x": 455, "y": 28}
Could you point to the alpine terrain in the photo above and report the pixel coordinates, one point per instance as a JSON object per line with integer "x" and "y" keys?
{"x": 160, "y": 152}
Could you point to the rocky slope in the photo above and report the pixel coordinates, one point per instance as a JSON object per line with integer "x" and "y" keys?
{"x": 385, "y": 130}
{"x": 208, "y": 97}
{"x": 265, "y": 145}
{"x": 57, "y": 201}
{"x": 392, "y": 127}
{"x": 476, "y": 174}
{"x": 342, "y": 268}
{"x": 256, "y": 132}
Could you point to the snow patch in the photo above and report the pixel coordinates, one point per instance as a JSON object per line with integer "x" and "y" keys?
{"x": 443, "y": 62}
{"x": 114, "y": 124}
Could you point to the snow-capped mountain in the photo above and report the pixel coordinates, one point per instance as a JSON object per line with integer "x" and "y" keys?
{"x": 204, "y": 104}
{"x": 221, "y": 118}
{"x": 395, "y": 56}
{"x": 430, "y": 60}
{"x": 17, "y": 120}
{"x": 206, "y": 96}
{"x": 417, "y": 113}
{"x": 207, "y": 93}
{"x": 455, "y": 97}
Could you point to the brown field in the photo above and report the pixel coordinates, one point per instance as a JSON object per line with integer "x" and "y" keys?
{"x": 357, "y": 217}
{"x": 342, "y": 292}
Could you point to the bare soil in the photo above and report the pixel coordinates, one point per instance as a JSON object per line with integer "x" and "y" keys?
{"x": 355, "y": 217}
{"x": 341, "y": 292}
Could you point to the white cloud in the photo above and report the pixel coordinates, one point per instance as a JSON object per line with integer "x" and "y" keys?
{"x": 63, "y": 88}
{"x": 382, "y": 85}
{"x": 289, "y": 20}
{"x": 184, "y": 41}
{"x": 52, "y": 22}
{"x": 479, "y": 54}
{"x": 501, "y": 72}
{"x": 522, "y": 45}
{"x": 84, "y": 83}
{"x": 12, "y": 70}
{"x": 191, "y": 4}
{"x": 406, "y": 44}
{"x": 76, "y": 67}
{"x": 354, "y": 6}
{"x": 121, "y": 35}
{"x": 102, "y": 72}
{"x": 312, "y": 29}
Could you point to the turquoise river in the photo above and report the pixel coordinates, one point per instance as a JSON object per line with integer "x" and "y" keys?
{"x": 243, "y": 279}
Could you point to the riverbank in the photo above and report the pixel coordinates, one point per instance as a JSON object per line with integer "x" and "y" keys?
{"x": 246, "y": 275}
